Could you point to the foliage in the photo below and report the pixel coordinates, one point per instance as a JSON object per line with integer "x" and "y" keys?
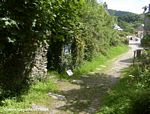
{"x": 26, "y": 20}
{"x": 37, "y": 94}
{"x": 23, "y": 25}
{"x": 128, "y": 27}
{"x": 127, "y": 20}
{"x": 141, "y": 104}
{"x": 131, "y": 94}
{"x": 89, "y": 66}
{"x": 64, "y": 30}
{"x": 86, "y": 26}
{"x": 127, "y": 16}
{"x": 146, "y": 41}
{"x": 100, "y": 35}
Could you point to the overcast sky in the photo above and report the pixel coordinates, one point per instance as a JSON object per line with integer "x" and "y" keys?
{"x": 134, "y": 6}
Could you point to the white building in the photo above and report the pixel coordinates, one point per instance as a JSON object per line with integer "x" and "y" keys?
{"x": 117, "y": 27}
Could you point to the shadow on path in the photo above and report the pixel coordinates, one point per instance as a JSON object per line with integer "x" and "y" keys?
{"x": 87, "y": 99}
{"x": 130, "y": 60}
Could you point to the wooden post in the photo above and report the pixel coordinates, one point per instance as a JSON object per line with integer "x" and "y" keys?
{"x": 134, "y": 57}
{"x": 138, "y": 53}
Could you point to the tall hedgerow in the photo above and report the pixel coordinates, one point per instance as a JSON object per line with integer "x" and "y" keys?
{"x": 23, "y": 25}
{"x": 81, "y": 27}
{"x": 86, "y": 26}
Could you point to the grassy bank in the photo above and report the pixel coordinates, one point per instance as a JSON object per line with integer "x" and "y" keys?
{"x": 131, "y": 95}
{"x": 90, "y": 66}
{"x": 37, "y": 95}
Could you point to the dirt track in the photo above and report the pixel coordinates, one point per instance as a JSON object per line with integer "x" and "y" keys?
{"x": 84, "y": 96}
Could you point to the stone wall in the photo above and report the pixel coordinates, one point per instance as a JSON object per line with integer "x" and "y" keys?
{"x": 21, "y": 65}
{"x": 39, "y": 70}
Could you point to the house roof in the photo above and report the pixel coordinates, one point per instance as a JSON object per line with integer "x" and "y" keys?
{"x": 117, "y": 27}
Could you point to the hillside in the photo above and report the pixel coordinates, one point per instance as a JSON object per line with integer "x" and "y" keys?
{"x": 127, "y": 20}
{"x": 126, "y": 16}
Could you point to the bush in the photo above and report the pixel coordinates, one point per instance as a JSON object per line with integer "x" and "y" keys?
{"x": 146, "y": 41}
{"x": 142, "y": 104}
{"x": 23, "y": 25}
{"x": 132, "y": 94}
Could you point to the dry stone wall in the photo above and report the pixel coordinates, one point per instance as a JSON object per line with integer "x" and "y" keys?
{"x": 39, "y": 69}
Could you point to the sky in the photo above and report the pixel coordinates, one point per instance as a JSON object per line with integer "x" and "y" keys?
{"x": 134, "y": 6}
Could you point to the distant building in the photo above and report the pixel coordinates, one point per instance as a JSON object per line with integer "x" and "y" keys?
{"x": 117, "y": 27}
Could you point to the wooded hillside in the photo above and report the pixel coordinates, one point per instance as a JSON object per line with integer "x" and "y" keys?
{"x": 127, "y": 20}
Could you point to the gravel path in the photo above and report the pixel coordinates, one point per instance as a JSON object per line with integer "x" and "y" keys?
{"x": 84, "y": 96}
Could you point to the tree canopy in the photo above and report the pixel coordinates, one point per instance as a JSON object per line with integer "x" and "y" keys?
{"x": 83, "y": 25}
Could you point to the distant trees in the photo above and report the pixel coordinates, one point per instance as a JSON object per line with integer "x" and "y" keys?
{"x": 127, "y": 20}
{"x": 127, "y": 16}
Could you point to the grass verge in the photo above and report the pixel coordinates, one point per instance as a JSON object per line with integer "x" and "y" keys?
{"x": 131, "y": 95}
{"x": 37, "y": 95}
{"x": 100, "y": 60}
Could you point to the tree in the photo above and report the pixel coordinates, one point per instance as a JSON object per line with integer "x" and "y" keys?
{"x": 23, "y": 25}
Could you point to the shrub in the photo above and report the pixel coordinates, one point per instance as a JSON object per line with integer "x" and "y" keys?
{"x": 141, "y": 105}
